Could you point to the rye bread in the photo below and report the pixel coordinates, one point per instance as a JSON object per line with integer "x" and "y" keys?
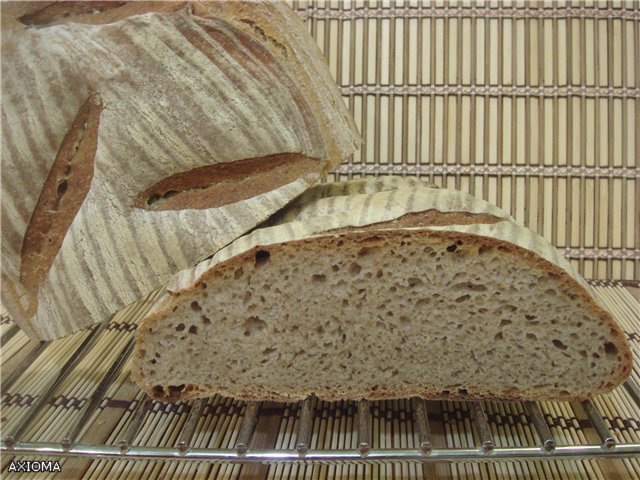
{"x": 397, "y": 292}
{"x": 138, "y": 138}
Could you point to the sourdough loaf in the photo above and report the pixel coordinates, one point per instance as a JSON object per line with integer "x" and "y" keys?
{"x": 384, "y": 291}
{"x": 140, "y": 137}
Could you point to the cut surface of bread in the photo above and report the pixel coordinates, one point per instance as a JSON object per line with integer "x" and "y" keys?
{"x": 351, "y": 306}
{"x": 141, "y": 137}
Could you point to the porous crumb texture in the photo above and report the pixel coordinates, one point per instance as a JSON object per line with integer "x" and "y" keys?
{"x": 382, "y": 314}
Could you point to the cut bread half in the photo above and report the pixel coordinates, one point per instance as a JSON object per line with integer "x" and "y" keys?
{"x": 407, "y": 291}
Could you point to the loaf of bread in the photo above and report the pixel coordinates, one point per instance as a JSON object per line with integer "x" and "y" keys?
{"x": 138, "y": 138}
{"x": 382, "y": 289}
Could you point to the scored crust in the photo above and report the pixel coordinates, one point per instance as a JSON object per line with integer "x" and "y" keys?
{"x": 165, "y": 131}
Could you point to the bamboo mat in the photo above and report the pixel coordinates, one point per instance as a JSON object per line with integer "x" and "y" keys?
{"x": 532, "y": 105}
{"x": 335, "y": 424}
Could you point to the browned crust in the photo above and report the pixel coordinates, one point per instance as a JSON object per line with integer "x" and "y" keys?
{"x": 373, "y": 238}
{"x": 257, "y": 19}
{"x": 224, "y": 183}
{"x": 426, "y": 218}
{"x": 268, "y": 30}
{"x": 62, "y": 195}
{"x": 93, "y": 12}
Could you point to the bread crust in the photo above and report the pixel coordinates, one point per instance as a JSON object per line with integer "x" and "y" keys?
{"x": 182, "y": 86}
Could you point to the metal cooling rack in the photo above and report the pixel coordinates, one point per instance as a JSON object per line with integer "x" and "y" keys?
{"x": 15, "y": 443}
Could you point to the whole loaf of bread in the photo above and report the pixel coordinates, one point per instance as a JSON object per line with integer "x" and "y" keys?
{"x": 140, "y": 137}
{"x": 379, "y": 289}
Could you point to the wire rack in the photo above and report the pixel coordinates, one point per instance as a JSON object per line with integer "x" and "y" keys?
{"x": 365, "y": 446}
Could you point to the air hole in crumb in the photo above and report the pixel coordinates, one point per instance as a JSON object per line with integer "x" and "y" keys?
{"x": 268, "y": 351}
{"x": 452, "y": 248}
{"x": 195, "y": 306}
{"x": 610, "y": 349}
{"x": 193, "y": 329}
{"x": 463, "y": 298}
{"x": 354, "y": 269}
{"x": 498, "y": 336}
{"x": 504, "y": 322}
{"x": 413, "y": 281}
{"x": 558, "y": 344}
{"x": 364, "y": 251}
{"x": 153, "y": 361}
{"x": 238, "y": 273}
{"x": 405, "y": 320}
{"x": 423, "y": 302}
{"x": 530, "y": 317}
{"x": 483, "y": 249}
{"x": 335, "y": 268}
{"x": 180, "y": 327}
{"x": 205, "y": 320}
{"x": 318, "y": 278}
{"x": 262, "y": 257}
{"x": 379, "y": 274}
{"x": 254, "y": 325}
{"x": 583, "y": 353}
{"x": 531, "y": 336}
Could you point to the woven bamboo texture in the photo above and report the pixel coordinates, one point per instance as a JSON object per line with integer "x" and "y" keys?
{"x": 335, "y": 424}
{"x": 534, "y": 106}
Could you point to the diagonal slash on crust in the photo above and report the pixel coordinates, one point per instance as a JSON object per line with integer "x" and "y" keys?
{"x": 62, "y": 195}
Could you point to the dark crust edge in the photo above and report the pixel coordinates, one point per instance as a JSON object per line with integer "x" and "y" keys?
{"x": 534, "y": 260}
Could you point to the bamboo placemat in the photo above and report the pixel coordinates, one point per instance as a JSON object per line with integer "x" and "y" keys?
{"x": 534, "y": 106}
{"x": 335, "y": 424}
{"x": 531, "y": 105}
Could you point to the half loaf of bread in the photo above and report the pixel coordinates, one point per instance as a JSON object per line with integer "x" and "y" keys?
{"x": 380, "y": 289}
{"x": 138, "y": 138}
